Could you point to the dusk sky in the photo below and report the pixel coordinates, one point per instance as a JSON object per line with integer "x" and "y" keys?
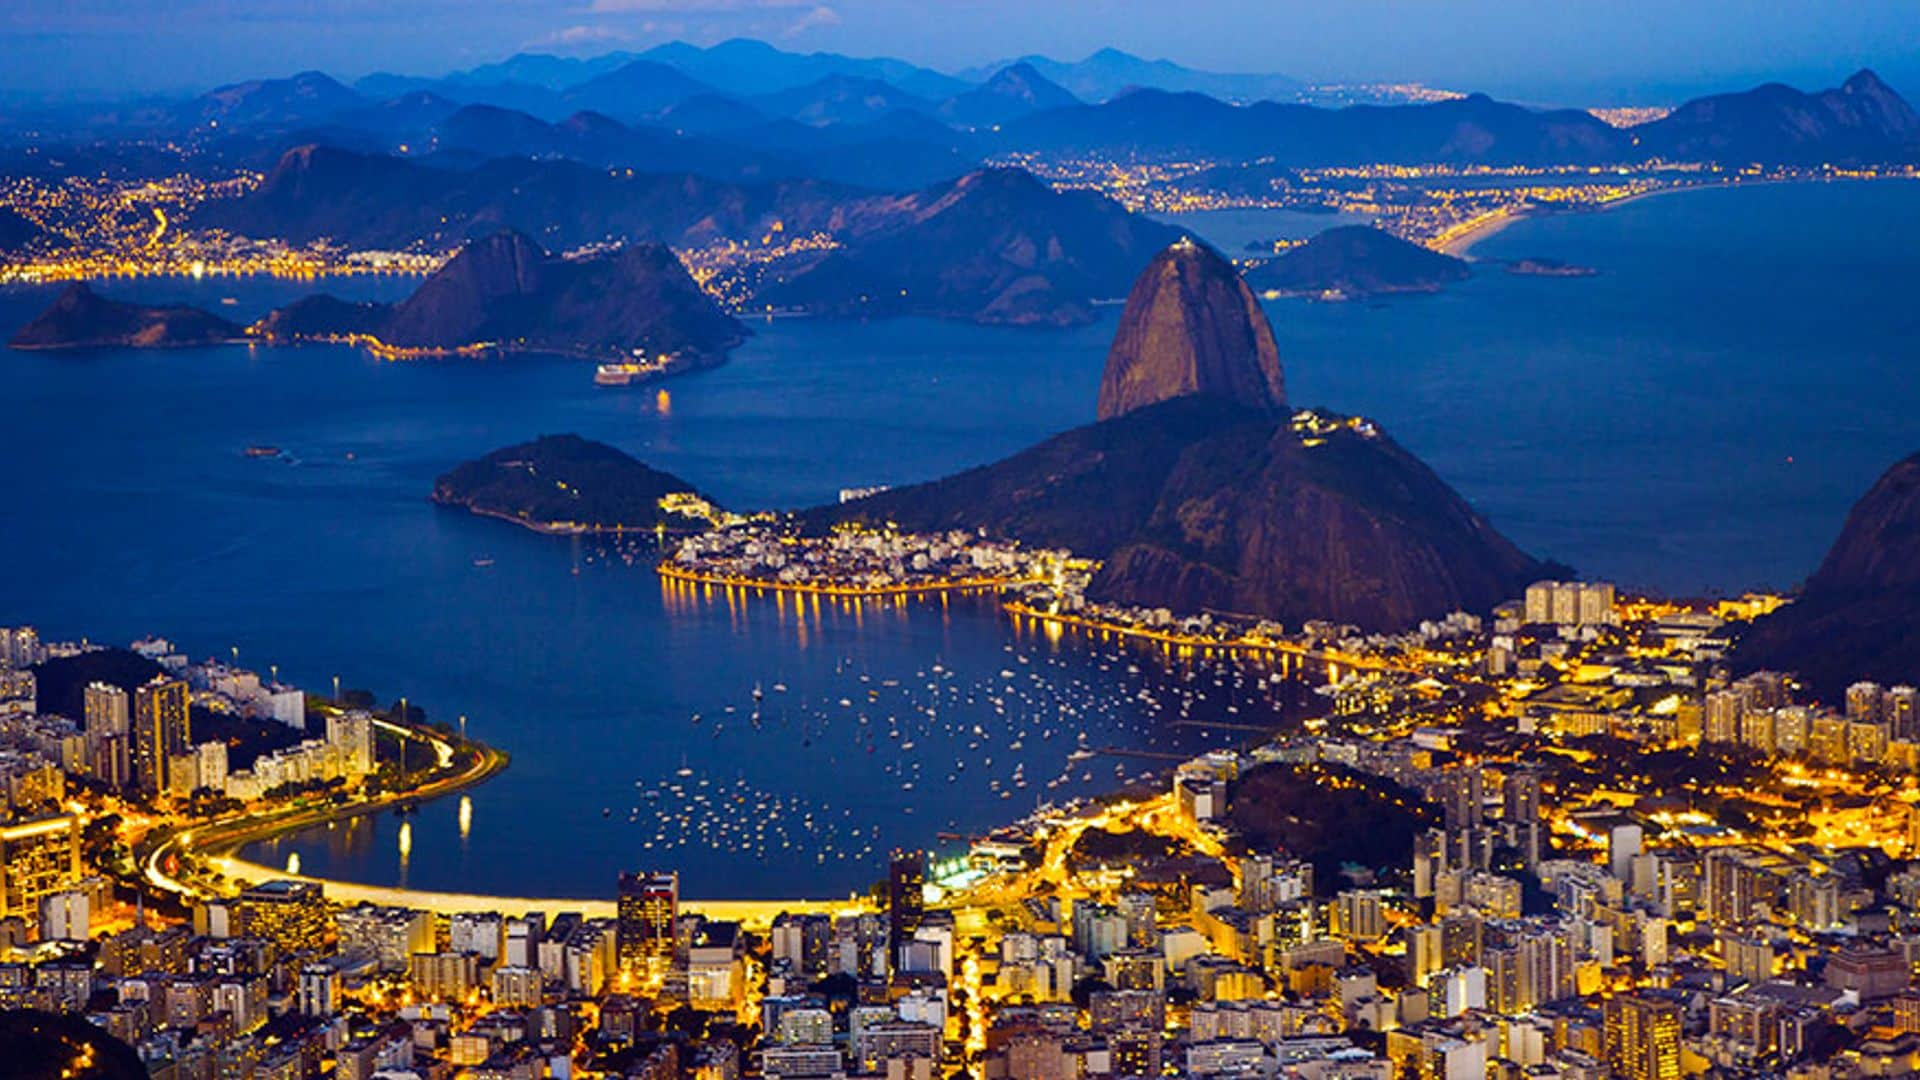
{"x": 1575, "y": 52}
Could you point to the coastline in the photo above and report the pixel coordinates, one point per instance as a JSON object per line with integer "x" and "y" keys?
{"x": 560, "y": 528}
{"x": 752, "y": 912}
{"x": 221, "y": 837}
{"x": 669, "y": 572}
{"x": 1459, "y": 241}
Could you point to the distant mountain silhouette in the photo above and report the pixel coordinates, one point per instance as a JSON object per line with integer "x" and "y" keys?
{"x": 1191, "y": 327}
{"x": 505, "y": 292}
{"x": 1014, "y": 91}
{"x": 543, "y": 70}
{"x": 635, "y": 90}
{"x": 1358, "y": 260}
{"x": 1858, "y": 617}
{"x": 710, "y": 114}
{"x": 377, "y": 201}
{"x": 838, "y": 99}
{"x": 1109, "y": 72}
{"x": 994, "y": 246}
{"x": 742, "y": 66}
{"x": 595, "y": 139}
{"x": 399, "y": 117}
{"x": 1473, "y": 129}
{"x": 82, "y": 318}
{"x": 306, "y": 98}
{"x": 1863, "y": 120}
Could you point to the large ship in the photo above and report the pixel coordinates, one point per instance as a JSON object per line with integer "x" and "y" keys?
{"x": 628, "y": 372}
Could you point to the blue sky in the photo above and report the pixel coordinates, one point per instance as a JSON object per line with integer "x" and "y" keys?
{"x": 1546, "y": 51}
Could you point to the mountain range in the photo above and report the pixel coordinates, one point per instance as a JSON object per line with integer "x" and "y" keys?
{"x": 1108, "y": 73}
{"x": 1862, "y": 120}
{"x": 504, "y": 292}
{"x": 750, "y": 112}
{"x": 994, "y": 245}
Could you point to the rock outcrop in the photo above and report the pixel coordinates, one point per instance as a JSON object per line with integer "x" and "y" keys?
{"x": 1191, "y": 326}
{"x": 1858, "y": 616}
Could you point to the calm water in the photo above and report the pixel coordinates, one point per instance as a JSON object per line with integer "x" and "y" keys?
{"x": 1698, "y": 416}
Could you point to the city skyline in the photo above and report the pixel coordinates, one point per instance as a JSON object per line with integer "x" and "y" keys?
{"x": 744, "y": 563}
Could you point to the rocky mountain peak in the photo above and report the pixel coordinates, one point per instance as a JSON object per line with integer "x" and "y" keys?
{"x": 1191, "y": 326}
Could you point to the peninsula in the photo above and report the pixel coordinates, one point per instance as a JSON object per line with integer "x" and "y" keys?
{"x": 80, "y": 318}
{"x": 1352, "y": 261}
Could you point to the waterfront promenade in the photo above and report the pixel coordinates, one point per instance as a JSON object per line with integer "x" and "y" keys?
{"x": 752, "y": 913}
{"x": 672, "y": 572}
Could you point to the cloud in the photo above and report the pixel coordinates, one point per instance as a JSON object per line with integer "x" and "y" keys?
{"x": 821, "y": 15}
{"x": 579, "y": 35}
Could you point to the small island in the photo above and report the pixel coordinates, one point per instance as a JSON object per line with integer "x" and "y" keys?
{"x": 1542, "y": 266}
{"x": 80, "y": 318}
{"x": 1356, "y": 261}
{"x": 567, "y": 484}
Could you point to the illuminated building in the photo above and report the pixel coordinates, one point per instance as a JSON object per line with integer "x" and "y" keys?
{"x": 291, "y": 914}
{"x": 37, "y": 859}
{"x": 648, "y": 906}
{"x": 387, "y": 935}
{"x": 443, "y": 976}
{"x": 109, "y": 719}
{"x": 1360, "y": 915}
{"x": 161, "y": 731}
{"x": 1642, "y": 1037}
{"x": 1570, "y": 603}
{"x": 906, "y": 897}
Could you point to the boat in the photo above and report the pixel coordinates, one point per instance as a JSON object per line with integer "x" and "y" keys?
{"x": 483, "y": 561}
{"x": 614, "y": 374}
{"x": 263, "y": 450}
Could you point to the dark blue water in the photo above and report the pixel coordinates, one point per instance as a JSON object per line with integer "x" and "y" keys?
{"x": 137, "y": 511}
{"x": 1637, "y": 424}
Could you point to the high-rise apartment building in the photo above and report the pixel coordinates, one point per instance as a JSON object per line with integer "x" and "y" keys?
{"x": 648, "y": 907}
{"x": 161, "y": 731}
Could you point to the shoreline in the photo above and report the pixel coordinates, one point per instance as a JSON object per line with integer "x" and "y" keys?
{"x": 448, "y": 903}
{"x": 1460, "y": 243}
{"x": 667, "y": 572}
{"x": 555, "y": 528}
{"x": 220, "y": 854}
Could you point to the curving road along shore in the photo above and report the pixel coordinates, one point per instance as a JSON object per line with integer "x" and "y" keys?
{"x": 213, "y": 844}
